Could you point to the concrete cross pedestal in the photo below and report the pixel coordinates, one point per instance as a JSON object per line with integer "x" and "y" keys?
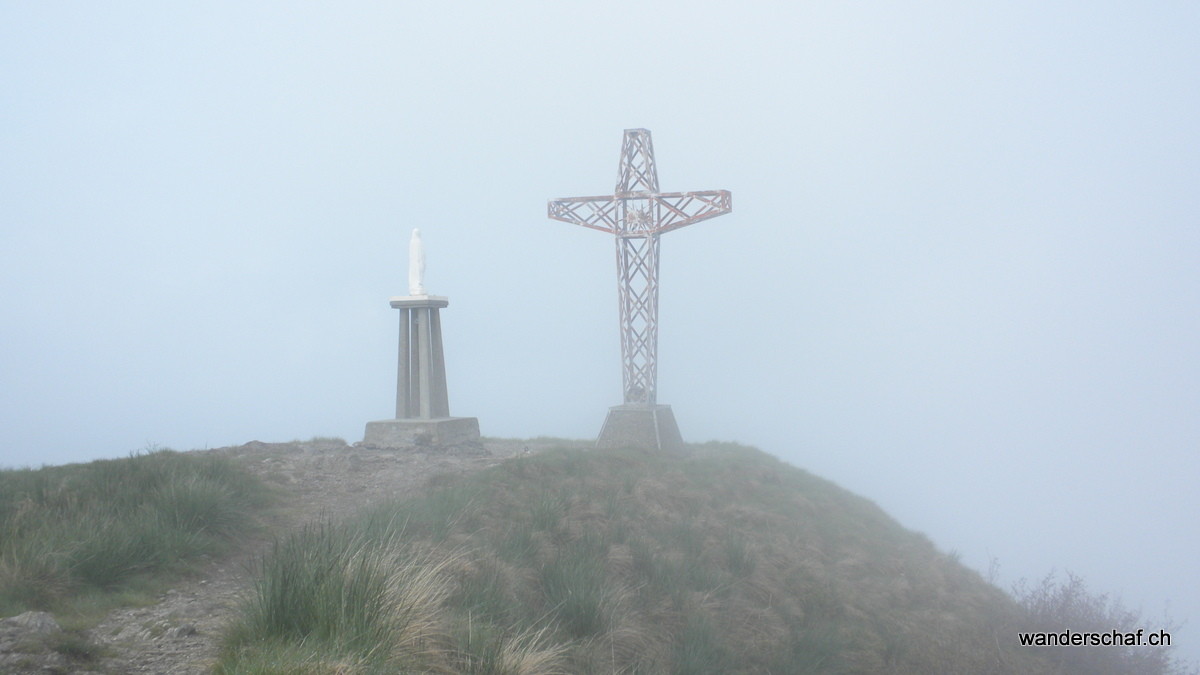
{"x": 422, "y": 405}
{"x": 641, "y": 425}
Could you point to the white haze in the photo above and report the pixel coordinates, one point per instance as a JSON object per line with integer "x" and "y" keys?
{"x": 960, "y": 277}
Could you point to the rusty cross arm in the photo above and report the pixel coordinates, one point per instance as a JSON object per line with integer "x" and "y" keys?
{"x": 667, "y": 210}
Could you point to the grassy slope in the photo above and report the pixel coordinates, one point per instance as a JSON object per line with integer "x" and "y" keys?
{"x": 80, "y": 538}
{"x": 723, "y": 561}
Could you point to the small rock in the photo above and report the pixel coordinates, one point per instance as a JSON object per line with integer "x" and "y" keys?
{"x": 182, "y": 631}
{"x": 32, "y": 623}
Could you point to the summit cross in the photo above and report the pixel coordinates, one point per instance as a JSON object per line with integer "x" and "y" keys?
{"x": 638, "y": 214}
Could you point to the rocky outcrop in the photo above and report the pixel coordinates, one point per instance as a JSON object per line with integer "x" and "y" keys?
{"x": 28, "y": 644}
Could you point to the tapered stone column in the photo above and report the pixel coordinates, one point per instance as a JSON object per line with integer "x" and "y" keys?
{"x": 421, "y": 374}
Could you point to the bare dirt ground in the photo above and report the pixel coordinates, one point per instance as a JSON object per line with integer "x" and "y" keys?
{"x": 319, "y": 480}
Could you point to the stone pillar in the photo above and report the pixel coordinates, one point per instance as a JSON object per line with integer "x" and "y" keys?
{"x": 422, "y": 404}
{"x": 421, "y": 369}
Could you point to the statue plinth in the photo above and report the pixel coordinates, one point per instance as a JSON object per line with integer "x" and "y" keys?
{"x": 440, "y": 432}
{"x": 422, "y": 406}
{"x": 407, "y": 301}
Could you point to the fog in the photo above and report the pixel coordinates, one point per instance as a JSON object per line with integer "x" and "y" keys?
{"x": 959, "y": 278}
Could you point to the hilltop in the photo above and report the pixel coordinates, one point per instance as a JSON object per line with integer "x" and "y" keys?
{"x": 544, "y": 556}
{"x": 723, "y": 560}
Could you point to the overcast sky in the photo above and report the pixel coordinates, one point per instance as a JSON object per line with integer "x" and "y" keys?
{"x": 960, "y": 276}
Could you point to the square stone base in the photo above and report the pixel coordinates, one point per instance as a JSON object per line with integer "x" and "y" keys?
{"x": 651, "y": 427}
{"x": 439, "y": 431}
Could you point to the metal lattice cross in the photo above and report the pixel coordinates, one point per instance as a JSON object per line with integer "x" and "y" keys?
{"x": 637, "y": 213}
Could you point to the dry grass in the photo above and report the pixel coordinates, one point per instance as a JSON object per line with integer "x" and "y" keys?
{"x": 725, "y": 560}
{"x": 350, "y": 596}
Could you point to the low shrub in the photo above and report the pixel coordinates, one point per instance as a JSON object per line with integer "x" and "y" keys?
{"x": 1060, "y": 603}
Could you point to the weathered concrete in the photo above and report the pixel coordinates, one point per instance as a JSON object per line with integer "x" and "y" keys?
{"x": 651, "y": 427}
{"x": 419, "y": 301}
{"x": 421, "y": 363}
{"x": 442, "y": 432}
{"x": 422, "y": 405}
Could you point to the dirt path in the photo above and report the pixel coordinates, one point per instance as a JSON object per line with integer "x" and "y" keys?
{"x": 320, "y": 480}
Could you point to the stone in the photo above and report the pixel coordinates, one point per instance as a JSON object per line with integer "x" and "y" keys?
{"x": 649, "y": 427}
{"x": 31, "y": 623}
{"x": 182, "y": 631}
{"x": 421, "y": 365}
{"x": 434, "y": 432}
{"x": 23, "y": 644}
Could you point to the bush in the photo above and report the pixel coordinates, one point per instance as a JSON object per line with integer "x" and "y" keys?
{"x": 1055, "y": 605}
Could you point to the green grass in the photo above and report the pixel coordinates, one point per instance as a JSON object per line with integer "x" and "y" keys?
{"x": 724, "y": 560}
{"x": 338, "y": 597}
{"x": 360, "y": 597}
{"x": 575, "y": 588}
{"x": 82, "y": 537}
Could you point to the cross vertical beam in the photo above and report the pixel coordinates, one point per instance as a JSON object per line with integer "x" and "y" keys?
{"x": 638, "y": 214}
{"x": 637, "y": 299}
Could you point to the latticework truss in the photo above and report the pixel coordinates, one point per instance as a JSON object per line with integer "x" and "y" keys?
{"x": 637, "y": 213}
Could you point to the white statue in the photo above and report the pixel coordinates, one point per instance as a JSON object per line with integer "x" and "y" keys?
{"x": 416, "y": 264}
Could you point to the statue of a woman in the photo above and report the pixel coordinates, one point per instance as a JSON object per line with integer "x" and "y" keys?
{"x": 416, "y": 264}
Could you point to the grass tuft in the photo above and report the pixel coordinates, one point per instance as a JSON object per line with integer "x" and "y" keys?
{"x": 71, "y": 532}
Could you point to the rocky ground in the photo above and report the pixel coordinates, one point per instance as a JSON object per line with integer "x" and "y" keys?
{"x": 318, "y": 479}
